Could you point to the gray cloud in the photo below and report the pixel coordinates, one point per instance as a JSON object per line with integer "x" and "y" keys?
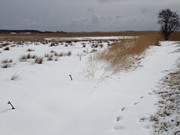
{"x": 83, "y": 15}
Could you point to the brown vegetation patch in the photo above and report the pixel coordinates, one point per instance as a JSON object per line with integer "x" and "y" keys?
{"x": 128, "y": 53}
{"x": 175, "y": 36}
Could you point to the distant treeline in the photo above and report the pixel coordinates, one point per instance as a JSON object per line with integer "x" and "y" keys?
{"x": 20, "y": 31}
{"x": 27, "y": 31}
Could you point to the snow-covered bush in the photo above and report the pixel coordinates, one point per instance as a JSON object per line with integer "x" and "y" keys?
{"x": 38, "y": 60}
{"x": 7, "y": 65}
{"x": 30, "y": 50}
{"x": 6, "y": 48}
{"x": 26, "y": 57}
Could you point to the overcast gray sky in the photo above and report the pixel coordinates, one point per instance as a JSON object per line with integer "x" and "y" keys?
{"x": 83, "y": 15}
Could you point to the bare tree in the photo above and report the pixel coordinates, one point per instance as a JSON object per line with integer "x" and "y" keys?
{"x": 169, "y": 22}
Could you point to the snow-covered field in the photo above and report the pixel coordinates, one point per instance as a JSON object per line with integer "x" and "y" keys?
{"x": 94, "y": 102}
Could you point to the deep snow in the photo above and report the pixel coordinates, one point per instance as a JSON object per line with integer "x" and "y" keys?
{"x": 95, "y": 102}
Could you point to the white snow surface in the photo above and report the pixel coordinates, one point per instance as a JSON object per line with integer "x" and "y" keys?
{"x": 95, "y": 102}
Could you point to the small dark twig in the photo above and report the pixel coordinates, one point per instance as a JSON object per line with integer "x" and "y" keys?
{"x": 122, "y": 109}
{"x": 12, "y": 107}
{"x": 70, "y": 76}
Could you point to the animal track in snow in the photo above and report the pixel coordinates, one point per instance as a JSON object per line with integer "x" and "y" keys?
{"x": 118, "y": 118}
{"x": 122, "y": 109}
{"x": 118, "y": 127}
{"x": 135, "y": 103}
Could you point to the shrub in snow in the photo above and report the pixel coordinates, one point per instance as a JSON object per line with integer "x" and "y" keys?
{"x": 100, "y": 41}
{"x": 30, "y": 50}
{"x": 101, "y": 45}
{"x": 56, "y": 54}
{"x": 13, "y": 45}
{"x": 7, "y": 61}
{"x": 94, "y": 46}
{"x": 6, "y": 49}
{"x": 37, "y": 43}
{"x": 33, "y": 56}
{"x": 44, "y": 42}
{"x": 69, "y": 42}
{"x": 52, "y": 51}
{"x": 24, "y": 58}
{"x": 109, "y": 44}
{"x": 4, "y": 44}
{"x": 38, "y": 60}
{"x": 46, "y": 55}
{"x": 29, "y": 56}
{"x": 60, "y": 54}
{"x": 93, "y": 50}
{"x": 53, "y": 44}
{"x": 84, "y": 51}
{"x": 69, "y": 53}
{"x": 49, "y": 58}
{"x": 20, "y": 43}
{"x": 7, "y": 65}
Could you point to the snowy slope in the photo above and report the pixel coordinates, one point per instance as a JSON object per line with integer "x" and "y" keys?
{"x": 95, "y": 102}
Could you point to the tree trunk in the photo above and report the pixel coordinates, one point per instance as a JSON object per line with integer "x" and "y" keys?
{"x": 166, "y": 36}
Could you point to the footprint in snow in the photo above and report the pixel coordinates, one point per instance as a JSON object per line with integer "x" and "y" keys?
{"x": 143, "y": 119}
{"x": 136, "y": 103}
{"x": 118, "y": 118}
{"x": 5, "y": 110}
{"x": 118, "y": 127}
{"x": 150, "y": 93}
{"x": 122, "y": 109}
{"x": 165, "y": 71}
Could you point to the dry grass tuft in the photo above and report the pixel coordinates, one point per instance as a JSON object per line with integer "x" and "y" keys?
{"x": 30, "y": 50}
{"x": 6, "y": 49}
{"x": 26, "y": 57}
{"x": 38, "y": 60}
{"x": 6, "y": 63}
{"x": 128, "y": 53}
